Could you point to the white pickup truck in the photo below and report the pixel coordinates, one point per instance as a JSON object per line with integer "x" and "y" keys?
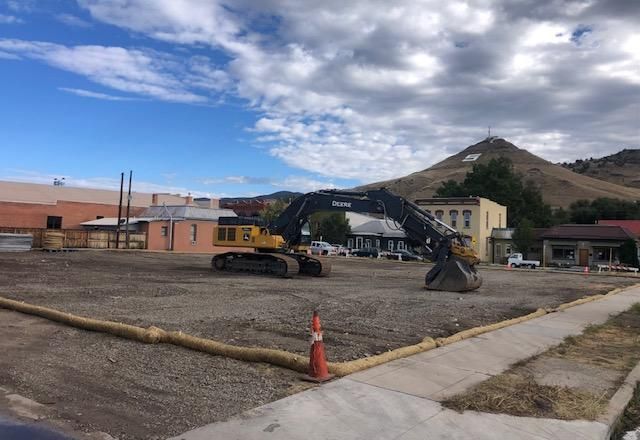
{"x": 515, "y": 260}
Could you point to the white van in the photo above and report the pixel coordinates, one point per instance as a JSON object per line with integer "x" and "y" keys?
{"x": 322, "y": 248}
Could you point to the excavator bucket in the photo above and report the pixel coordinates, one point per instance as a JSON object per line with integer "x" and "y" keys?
{"x": 454, "y": 275}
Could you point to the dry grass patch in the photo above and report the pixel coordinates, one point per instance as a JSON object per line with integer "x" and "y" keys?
{"x": 614, "y": 346}
{"x": 519, "y": 395}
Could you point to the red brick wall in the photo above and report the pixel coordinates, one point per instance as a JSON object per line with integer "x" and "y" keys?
{"x": 182, "y": 238}
{"x": 155, "y": 240}
{"x": 31, "y": 215}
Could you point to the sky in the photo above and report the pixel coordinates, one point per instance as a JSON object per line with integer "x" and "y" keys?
{"x": 240, "y": 98}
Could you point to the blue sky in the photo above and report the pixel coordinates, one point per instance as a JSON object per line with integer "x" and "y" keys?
{"x": 242, "y": 98}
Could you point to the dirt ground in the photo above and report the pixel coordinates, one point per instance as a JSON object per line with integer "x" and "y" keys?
{"x": 139, "y": 391}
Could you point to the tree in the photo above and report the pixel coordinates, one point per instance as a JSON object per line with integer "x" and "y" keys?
{"x": 334, "y": 228}
{"x": 523, "y": 236}
{"x": 498, "y": 181}
{"x": 589, "y": 212}
{"x": 561, "y": 216}
{"x": 629, "y": 253}
{"x": 272, "y": 211}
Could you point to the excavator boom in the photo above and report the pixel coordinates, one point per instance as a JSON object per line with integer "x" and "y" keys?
{"x": 455, "y": 261}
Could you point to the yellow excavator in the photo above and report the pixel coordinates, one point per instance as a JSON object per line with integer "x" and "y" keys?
{"x": 280, "y": 252}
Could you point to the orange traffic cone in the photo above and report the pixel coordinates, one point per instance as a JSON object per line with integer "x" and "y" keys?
{"x": 318, "y": 369}
{"x": 508, "y": 266}
{"x": 586, "y": 269}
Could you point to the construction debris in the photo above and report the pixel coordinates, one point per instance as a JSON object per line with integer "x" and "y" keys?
{"x": 15, "y": 242}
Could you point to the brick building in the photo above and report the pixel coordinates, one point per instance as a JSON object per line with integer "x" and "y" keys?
{"x": 474, "y": 217}
{"x": 32, "y": 205}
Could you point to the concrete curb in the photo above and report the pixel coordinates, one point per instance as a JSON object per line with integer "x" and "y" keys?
{"x": 618, "y": 403}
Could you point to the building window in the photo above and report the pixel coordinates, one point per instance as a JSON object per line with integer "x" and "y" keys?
{"x": 563, "y": 253}
{"x": 231, "y": 234}
{"x": 507, "y": 250}
{"x": 486, "y": 226}
{"x": 367, "y": 242}
{"x": 350, "y": 243}
{"x": 54, "y": 222}
{"x": 605, "y": 254}
{"x": 193, "y": 233}
{"x": 467, "y": 218}
{"x": 222, "y": 234}
{"x": 500, "y": 220}
{"x": 377, "y": 243}
{"x": 390, "y": 245}
{"x": 164, "y": 231}
{"x": 454, "y": 218}
{"x": 359, "y": 242}
{"x": 439, "y": 214}
{"x": 400, "y": 245}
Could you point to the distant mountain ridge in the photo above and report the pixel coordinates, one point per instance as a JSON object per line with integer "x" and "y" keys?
{"x": 622, "y": 168}
{"x": 278, "y": 195}
{"x": 559, "y": 186}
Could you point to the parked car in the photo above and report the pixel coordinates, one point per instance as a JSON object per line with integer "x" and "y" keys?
{"x": 340, "y": 249}
{"x": 515, "y": 260}
{"x": 366, "y": 252}
{"x": 405, "y": 255}
{"x": 322, "y": 248}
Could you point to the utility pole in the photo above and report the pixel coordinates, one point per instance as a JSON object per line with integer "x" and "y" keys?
{"x": 119, "y": 212}
{"x": 128, "y": 206}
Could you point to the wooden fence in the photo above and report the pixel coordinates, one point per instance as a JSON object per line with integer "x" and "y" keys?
{"x": 74, "y": 238}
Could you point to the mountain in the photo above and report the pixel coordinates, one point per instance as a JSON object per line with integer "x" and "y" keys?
{"x": 622, "y": 168}
{"x": 279, "y": 195}
{"x": 559, "y": 186}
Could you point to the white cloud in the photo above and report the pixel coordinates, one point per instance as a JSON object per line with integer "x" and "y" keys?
{"x": 72, "y": 20}
{"x": 140, "y": 71}
{"x": 95, "y": 95}
{"x": 10, "y": 19}
{"x": 368, "y": 89}
{"x": 291, "y": 183}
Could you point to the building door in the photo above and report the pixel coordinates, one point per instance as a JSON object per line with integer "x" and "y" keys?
{"x": 584, "y": 257}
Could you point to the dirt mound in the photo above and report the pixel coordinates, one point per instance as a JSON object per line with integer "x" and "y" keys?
{"x": 622, "y": 168}
{"x": 560, "y": 186}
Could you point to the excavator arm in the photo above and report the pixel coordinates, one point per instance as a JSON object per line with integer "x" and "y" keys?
{"x": 455, "y": 261}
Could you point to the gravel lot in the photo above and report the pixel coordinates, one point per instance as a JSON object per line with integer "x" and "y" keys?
{"x": 138, "y": 391}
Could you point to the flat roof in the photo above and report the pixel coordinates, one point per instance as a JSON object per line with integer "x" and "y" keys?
{"x": 37, "y": 193}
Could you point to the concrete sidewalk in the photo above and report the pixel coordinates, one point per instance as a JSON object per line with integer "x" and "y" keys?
{"x": 400, "y": 399}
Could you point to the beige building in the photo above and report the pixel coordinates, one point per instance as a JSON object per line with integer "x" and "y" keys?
{"x": 475, "y": 217}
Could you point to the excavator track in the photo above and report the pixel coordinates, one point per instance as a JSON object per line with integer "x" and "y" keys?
{"x": 280, "y": 265}
{"x": 314, "y": 266}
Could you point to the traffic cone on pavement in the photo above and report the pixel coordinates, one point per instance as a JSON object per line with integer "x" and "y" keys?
{"x": 318, "y": 369}
{"x": 586, "y": 269}
{"x": 508, "y": 266}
